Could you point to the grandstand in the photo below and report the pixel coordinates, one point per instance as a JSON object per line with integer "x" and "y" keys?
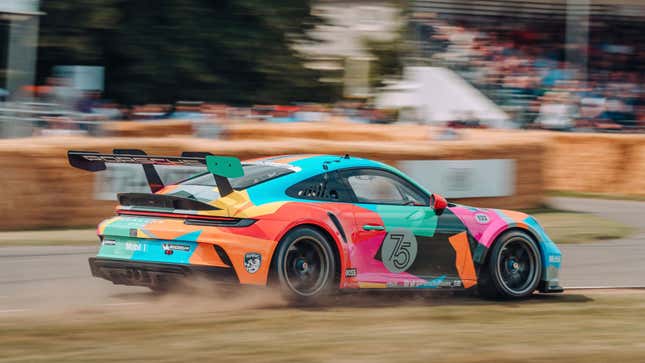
{"x": 520, "y": 52}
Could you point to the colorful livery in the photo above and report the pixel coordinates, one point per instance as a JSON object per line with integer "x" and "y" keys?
{"x": 310, "y": 224}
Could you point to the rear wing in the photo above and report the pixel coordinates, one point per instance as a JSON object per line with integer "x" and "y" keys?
{"x": 222, "y": 167}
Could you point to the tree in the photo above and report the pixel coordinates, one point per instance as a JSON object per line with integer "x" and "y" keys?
{"x": 388, "y": 60}
{"x": 389, "y": 55}
{"x": 235, "y": 51}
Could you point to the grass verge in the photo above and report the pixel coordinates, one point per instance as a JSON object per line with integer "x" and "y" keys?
{"x": 564, "y": 193}
{"x": 571, "y": 227}
{"x": 595, "y": 327}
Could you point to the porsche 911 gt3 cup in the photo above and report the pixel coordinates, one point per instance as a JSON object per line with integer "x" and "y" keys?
{"x": 312, "y": 224}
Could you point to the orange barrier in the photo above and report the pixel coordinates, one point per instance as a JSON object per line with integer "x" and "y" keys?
{"x": 597, "y": 163}
{"x": 157, "y": 128}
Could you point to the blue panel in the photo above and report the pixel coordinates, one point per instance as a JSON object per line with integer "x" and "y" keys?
{"x": 433, "y": 284}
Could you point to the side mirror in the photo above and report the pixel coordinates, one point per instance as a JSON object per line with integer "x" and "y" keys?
{"x": 438, "y": 203}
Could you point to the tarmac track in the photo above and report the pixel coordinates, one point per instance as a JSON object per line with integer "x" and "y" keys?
{"x": 58, "y": 278}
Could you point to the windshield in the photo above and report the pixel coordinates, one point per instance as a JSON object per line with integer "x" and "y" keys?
{"x": 253, "y": 174}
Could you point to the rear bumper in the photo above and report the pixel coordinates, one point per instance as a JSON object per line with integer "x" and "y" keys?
{"x": 136, "y": 273}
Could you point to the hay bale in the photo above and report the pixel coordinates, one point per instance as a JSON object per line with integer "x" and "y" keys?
{"x": 40, "y": 189}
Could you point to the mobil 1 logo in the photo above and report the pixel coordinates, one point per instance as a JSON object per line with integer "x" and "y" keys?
{"x": 399, "y": 250}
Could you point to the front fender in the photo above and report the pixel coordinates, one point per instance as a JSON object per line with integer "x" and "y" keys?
{"x": 550, "y": 253}
{"x": 486, "y": 225}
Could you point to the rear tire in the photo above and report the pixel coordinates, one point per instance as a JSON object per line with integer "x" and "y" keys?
{"x": 513, "y": 269}
{"x": 305, "y": 266}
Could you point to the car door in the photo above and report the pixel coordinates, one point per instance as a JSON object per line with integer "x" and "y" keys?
{"x": 399, "y": 240}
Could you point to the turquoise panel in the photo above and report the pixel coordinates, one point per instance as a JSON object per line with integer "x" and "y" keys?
{"x": 148, "y": 250}
{"x": 422, "y": 221}
{"x": 176, "y": 251}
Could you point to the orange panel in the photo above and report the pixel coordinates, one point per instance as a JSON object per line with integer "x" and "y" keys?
{"x": 205, "y": 255}
{"x": 518, "y": 217}
{"x": 464, "y": 260}
{"x": 236, "y": 246}
{"x": 167, "y": 189}
{"x": 372, "y": 285}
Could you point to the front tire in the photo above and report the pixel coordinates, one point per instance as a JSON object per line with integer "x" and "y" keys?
{"x": 514, "y": 267}
{"x": 305, "y": 265}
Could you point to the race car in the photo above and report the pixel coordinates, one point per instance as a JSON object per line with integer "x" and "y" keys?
{"x": 311, "y": 225}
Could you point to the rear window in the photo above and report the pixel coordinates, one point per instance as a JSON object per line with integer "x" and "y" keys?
{"x": 253, "y": 174}
{"x": 324, "y": 187}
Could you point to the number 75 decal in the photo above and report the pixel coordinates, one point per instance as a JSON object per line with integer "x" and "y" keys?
{"x": 399, "y": 250}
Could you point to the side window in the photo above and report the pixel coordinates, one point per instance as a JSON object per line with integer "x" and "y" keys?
{"x": 381, "y": 187}
{"x": 324, "y": 187}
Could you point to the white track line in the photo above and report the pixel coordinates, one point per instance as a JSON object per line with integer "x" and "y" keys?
{"x": 627, "y": 287}
{"x": 30, "y": 260}
{"x": 10, "y": 311}
{"x": 124, "y": 304}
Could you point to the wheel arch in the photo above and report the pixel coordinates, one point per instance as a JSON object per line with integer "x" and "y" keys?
{"x": 325, "y": 231}
{"x": 495, "y": 239}
{"x": 489, "y": 285}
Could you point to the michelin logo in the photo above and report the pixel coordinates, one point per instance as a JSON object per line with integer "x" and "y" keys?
{"x": 175, "y": 247}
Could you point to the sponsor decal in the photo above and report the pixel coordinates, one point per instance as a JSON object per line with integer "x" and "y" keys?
{"x": 404, "y": 284}
{"x": 108, "y": 242}
{"x": 350, "y": 272}
{"x": 175, "y": 247}
{"x": 482, "y": 218}
{"x": 464, "y": 178}
{"x": 433, "y": 284}
{"x": 555, "y": 259}
{"x": 436, "y": 283}
{"x": 145, "y": 160}
{"x": 252, "y": 262}
{"x": 459, "y": 179}
{"x": 399, "y": 250}
{"x": 412, "y": 284}
{"x": 444, "y": 284}
{"x": 133, "y": 246}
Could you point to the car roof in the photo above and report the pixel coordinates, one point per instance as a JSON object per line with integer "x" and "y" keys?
{"x": 306, "y": 166}
{"x": 313, "y": 164}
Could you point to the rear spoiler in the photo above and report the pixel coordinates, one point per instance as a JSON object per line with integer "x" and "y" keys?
{"x": 222, "y": 167}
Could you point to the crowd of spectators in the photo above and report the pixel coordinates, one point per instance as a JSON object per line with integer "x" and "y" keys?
{"x": 525, "y": 71}
{"x": 523, "y": 68}
{"x": 56, "y": 109}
